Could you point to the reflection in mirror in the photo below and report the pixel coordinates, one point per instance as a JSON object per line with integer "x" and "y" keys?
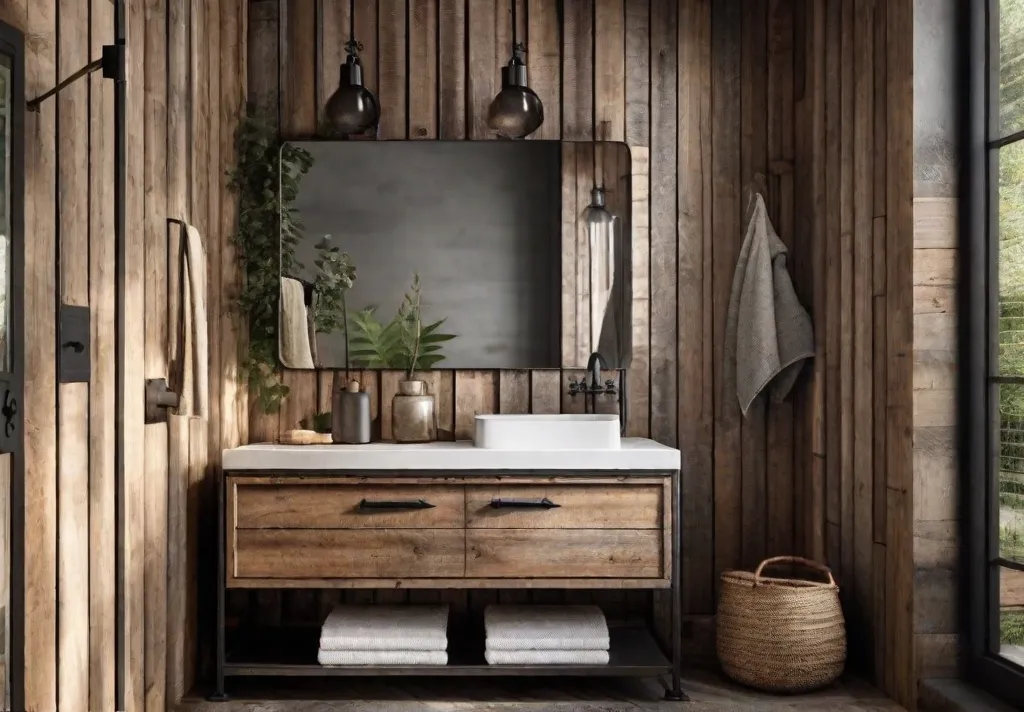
{"x": 5, "y": 207}
{"x": 484, "y": 245}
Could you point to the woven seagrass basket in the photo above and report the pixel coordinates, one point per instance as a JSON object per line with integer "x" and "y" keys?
{"x": 781, "y": 634}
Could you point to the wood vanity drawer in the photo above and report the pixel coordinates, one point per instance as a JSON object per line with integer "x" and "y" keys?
{"x": 348, "y": 506}
{"x": 565, "y": 553}
{"x": 584, "y": 506}
{"x": 352, "y": 553}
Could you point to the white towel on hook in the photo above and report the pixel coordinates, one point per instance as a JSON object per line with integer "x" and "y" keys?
{"x": 195, "y": 347}
{"x": 294, "y": 326}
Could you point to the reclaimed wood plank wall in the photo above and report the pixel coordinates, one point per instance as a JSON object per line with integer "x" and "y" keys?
{"x": 814, "y": 94}
{"x": 936, "y": 479}
{"x": 179, "y": 105}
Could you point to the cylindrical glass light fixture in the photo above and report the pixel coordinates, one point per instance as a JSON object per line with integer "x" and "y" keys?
{"x": 352, "y": 108}
{"x": 516, "y": 111}
{"x": 602, "y": 227}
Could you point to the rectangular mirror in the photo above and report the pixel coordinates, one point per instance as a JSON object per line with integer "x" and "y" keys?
{"x": 493, "y": 240}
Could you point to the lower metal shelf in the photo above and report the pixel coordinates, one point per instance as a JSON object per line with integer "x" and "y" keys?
{"x": 292, "y": 653}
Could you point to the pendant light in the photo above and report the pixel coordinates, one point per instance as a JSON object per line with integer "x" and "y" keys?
{"x": 516, "y": 111}
{"x": 352, "y": 108}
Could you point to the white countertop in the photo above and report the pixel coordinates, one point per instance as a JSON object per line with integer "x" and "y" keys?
{"x": 633, "y": 454}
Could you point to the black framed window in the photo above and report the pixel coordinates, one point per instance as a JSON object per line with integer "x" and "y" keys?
{"x": 992, "y": 331}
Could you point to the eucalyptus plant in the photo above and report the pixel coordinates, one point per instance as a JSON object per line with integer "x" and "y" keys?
{"x": 266, "y": 179}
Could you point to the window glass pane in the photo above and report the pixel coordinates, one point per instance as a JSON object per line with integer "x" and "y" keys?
{"x": 1010, "y": 471}
{"x": 1011, "y": 66}
{"x": 1011, "y": 259}
{"x": 1011, "y": 615}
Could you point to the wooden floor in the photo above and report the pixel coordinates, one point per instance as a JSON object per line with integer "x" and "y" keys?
{"x": 707, "y": 691}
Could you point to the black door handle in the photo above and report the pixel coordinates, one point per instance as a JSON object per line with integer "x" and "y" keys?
{"x": 9, "y": 410}
{"x": 544, "y": 503}
{"x": 395, "y": 504}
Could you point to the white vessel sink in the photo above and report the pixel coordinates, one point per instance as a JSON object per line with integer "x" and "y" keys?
{"x": 547, "y": 432}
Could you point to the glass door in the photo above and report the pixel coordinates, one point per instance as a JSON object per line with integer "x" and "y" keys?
{"x": 12, "y": 107}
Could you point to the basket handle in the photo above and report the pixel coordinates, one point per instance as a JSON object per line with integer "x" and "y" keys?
{"x": 807, "y": 563}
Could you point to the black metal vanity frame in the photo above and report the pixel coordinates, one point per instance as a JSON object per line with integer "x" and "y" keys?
{"x": 649, "y": 662}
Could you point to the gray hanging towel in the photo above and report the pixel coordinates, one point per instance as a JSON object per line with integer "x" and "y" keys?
{"x": 768, "y": 333}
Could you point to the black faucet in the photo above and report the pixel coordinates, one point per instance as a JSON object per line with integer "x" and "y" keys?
{"x": 595, "y": 388}
{"x": 594, "y": 366}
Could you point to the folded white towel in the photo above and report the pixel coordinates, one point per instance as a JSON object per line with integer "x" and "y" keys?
{"x": 382, "y": 657}
{"x": 388, "y": 628}
{"x": 511, "y": 627}
{"x": 546, "y": 657}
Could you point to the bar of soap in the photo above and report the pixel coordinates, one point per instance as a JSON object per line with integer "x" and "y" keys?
{"x": 304, "y": 437}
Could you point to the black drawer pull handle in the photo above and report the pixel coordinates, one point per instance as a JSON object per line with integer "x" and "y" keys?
{"x": 545, "y": 503}
{"x": 395, "y": 504}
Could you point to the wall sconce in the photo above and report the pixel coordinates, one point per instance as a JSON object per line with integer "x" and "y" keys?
{"x": 516, "y": 111}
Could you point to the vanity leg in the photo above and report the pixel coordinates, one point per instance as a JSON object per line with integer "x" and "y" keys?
{"x": 675, "y": 692}
{"x": 218, "y": 694}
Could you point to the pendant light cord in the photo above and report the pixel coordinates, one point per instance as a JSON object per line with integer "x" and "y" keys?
{"x": 515, "y": 43}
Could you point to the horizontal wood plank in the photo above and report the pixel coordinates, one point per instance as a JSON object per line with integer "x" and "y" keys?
{"x": 303, "y": 506}
{"x": 580, "y": 507}
{"x": 572, "y": 553}
{"x": 357, "y": 553}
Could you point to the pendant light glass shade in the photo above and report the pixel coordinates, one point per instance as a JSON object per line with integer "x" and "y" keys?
{"x": 352, "y": 108}
{"x": 602, "y": 228}
{"x": 516, "y": 111}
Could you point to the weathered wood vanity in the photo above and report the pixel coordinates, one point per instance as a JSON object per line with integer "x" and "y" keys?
{"x": 448, "y": 515}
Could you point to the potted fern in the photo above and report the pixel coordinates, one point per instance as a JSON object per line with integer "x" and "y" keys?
{"x": 405, "y": 343}
{"x": 413, "y": 408}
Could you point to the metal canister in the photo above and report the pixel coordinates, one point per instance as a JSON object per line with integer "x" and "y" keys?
{"x": 350, "y": 416}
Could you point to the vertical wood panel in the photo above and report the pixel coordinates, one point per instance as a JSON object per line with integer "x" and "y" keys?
{"x": 40, "y": 378}
{"x": 781, "y": 466}
{"x": 587, "y": 176}
{"x": 476, "y": 393}
{"x": 725, "y": 37}
{"x": 483, "y": 78}
{"x": 578, "y": 71}
{"x": 831, "y": 246}
{"x": 73, "y": 569}
{"x": 899, "y": 334}
{"x": 544, "y": 59}
{"x": 514, "y": 392}
{"x": 696, "y": 380}
{"x": 102, "y": 357}
{"x": 233, "y": 398}
{"x": 73, "y": 402}
{"x": 452, "y": 68}
{"x": 753, "y": 160}
{"x": 392, "y": 77}
{"x": 423, "y": 86}
{"x": 134, "y": 500}
{"x": 609, "y": 70}
{"x": 545, "y": 387}
{"x": 155, "y": 345}
{"x": 863, "y": 326}
{"x": 645, "y": 67}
